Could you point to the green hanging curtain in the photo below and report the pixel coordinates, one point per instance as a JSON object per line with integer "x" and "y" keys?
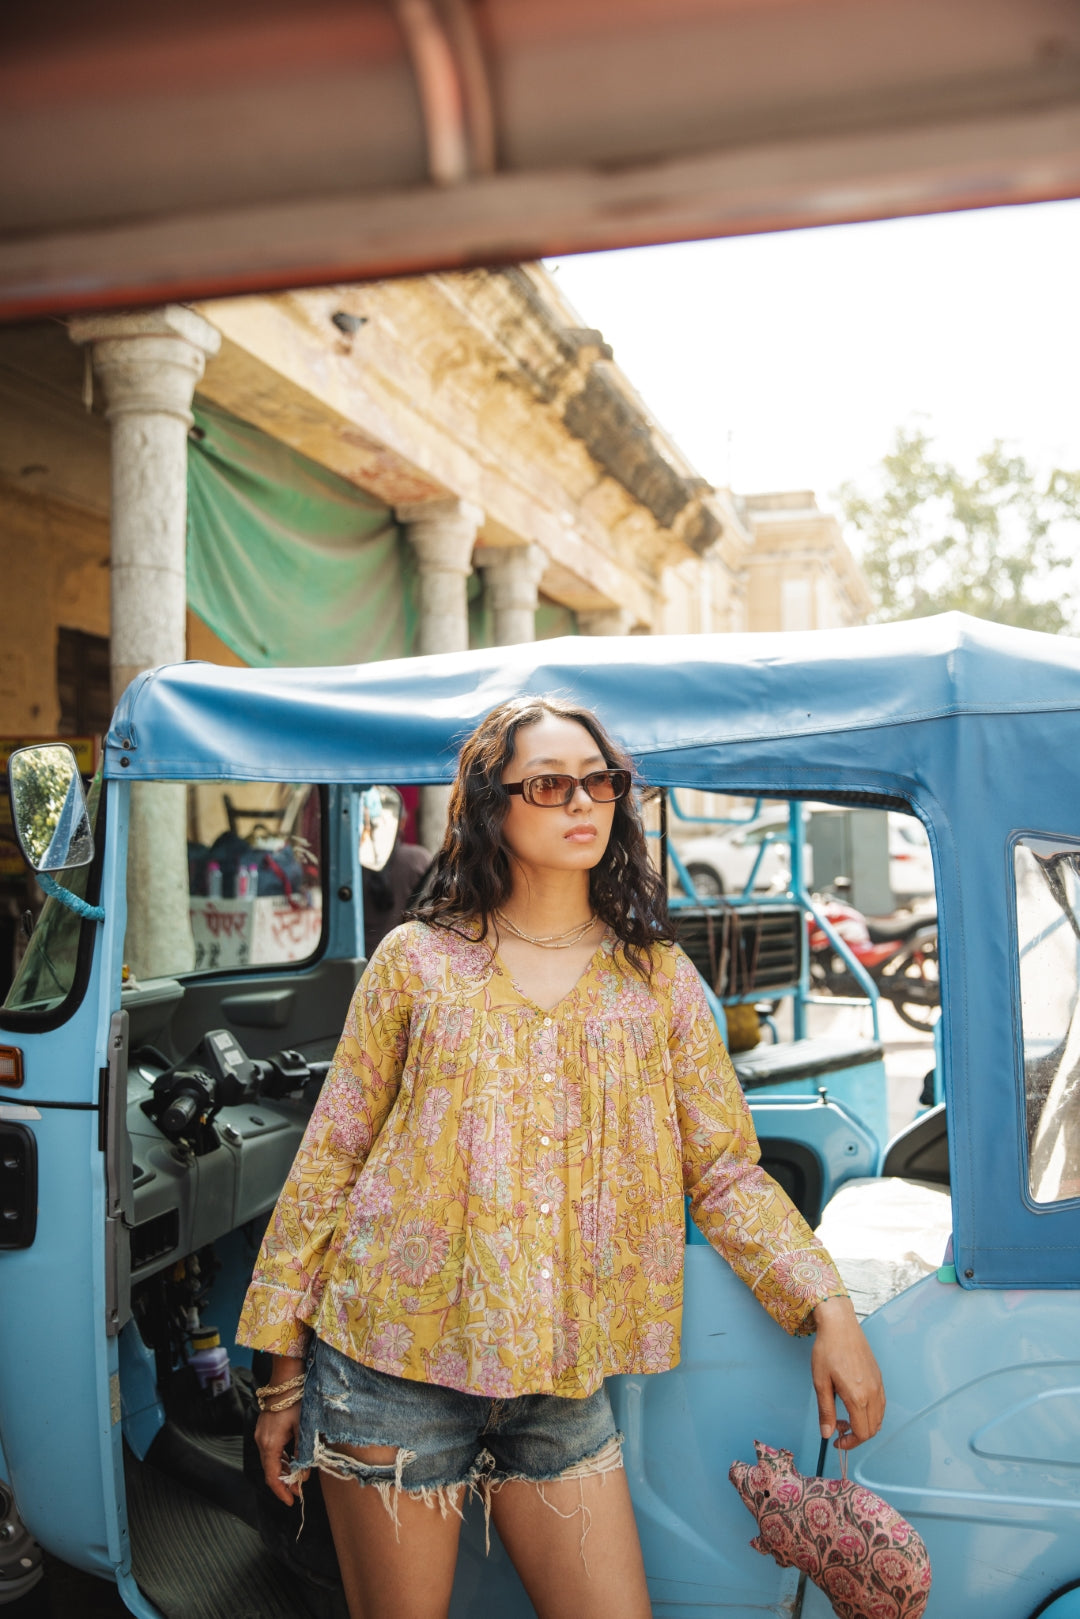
{"x": 479, "y": 612}
{"x": 553, "y": 619}
{"x": 286, "y": 562}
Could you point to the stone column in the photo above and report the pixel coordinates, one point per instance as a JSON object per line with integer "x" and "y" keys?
{"x": 442, "y": 534}
{"x": 148, "y": 365}
{"x": 512, "y": 576}
{"x": 606, "y": 621}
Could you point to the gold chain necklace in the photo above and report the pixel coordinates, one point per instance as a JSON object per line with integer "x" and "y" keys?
{"x": 551, "y": 941}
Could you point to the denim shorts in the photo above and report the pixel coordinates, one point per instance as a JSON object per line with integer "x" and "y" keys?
{"x": 445, "y": 1439}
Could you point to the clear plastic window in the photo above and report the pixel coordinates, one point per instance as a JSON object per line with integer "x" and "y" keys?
{"x": 1047, "y": 873}
{"x": 221, "y": 876}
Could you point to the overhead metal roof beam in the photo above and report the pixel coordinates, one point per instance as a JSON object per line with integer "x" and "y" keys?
{"x": 152, "y": 154}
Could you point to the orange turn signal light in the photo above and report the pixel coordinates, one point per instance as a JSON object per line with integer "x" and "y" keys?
{"x": 11, "y": 1065}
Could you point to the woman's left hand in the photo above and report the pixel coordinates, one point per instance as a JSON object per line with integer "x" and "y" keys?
{"x": 843, "y": 1364}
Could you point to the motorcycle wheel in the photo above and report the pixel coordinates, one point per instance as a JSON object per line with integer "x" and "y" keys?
{"x": 912, "y": 983}
{"x": 829, "y": 974}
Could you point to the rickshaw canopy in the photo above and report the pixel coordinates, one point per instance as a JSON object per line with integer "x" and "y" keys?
{"x": 684, "y": 706}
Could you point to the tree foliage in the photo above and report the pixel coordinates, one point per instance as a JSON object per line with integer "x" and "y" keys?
{"x": 47, "y": 970}
{"x": 995, "y": 545}
{"x": 41, "y": 789}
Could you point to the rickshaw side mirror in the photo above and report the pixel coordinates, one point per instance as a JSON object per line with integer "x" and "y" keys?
{"x": 48, "y": 808}
{"x": 381, "y": 812}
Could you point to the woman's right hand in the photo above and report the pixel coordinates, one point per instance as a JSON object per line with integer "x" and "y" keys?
{"x": 276, "y": 1433}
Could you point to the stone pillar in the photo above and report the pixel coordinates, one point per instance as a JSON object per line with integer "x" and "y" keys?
{"x": 606, "y": 621}
{"x": 512, "y": 576}
{"x": 442, "y": 534}
{"x": 148, "y": 365}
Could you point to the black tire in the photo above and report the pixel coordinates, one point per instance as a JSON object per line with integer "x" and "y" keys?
{"x": 913, "y": 984}
{"x": 829, "y": 974}
{"x": 706, "y": 879}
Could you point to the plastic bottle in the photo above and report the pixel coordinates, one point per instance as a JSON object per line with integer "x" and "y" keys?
{"x": 243, "y": 882}
{"x": 213, "y": 880}
{"x": 209, "y": 1361}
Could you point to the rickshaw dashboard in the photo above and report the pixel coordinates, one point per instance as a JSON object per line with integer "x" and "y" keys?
{"x": 194, "y": 1183}
{"x": 183, "y": 1200}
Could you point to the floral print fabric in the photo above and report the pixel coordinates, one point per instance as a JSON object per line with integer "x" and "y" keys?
{"x": 489, "y": 1196}
{"x": 868, "y": 1560}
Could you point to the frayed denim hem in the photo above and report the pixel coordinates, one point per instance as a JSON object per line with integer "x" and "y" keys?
{"x": 608, "y": 1459}
{"x": 386, "y": 1478}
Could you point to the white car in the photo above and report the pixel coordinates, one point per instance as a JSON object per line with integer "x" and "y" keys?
{"x": 911, "y": 866}
{"x": 721, "y": 862}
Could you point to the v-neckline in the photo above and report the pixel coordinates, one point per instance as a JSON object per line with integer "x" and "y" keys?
{"x": 549, "y": 1011}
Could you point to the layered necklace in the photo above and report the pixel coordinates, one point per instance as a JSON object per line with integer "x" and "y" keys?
{"x": 550, "y": 941}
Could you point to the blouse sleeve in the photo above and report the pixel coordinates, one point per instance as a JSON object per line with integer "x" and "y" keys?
{"x": 359, "y": 1090}
{"x": 740, "y": 1209}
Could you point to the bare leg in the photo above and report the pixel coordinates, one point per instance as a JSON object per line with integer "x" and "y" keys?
{"x": 545, "y": 1546}
{"x": 388, "y": 1573}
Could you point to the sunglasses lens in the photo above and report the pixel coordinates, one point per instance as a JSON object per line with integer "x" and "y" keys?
{"x": 550, "y": 791}
{"x": 603, "y": 786}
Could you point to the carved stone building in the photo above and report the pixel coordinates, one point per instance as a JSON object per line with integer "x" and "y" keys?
{"x": 800, "y": 574}
{"x": 489, "y": 471}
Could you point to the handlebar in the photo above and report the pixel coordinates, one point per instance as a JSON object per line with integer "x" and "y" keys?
{"x": 188, "y": 1096}
{"x": 178, "y": 1116}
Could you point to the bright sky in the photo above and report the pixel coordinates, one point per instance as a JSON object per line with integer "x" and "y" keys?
{"x": 787, "y": 361}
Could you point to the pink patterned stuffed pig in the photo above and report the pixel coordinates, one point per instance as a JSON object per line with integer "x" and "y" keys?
{"x": 869, "y": 1562}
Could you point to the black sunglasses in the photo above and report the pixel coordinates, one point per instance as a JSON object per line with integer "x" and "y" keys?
{"x": 550, "y": 792}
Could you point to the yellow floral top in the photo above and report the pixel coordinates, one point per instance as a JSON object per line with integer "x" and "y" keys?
{"x": 489, "y": 1196}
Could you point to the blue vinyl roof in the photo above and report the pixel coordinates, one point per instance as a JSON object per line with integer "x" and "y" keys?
{"x": 661, "y": 695}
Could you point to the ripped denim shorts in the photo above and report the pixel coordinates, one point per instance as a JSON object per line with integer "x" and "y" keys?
{"x": 445, "y": 1440}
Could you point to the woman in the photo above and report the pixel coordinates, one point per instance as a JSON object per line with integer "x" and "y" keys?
{"x": 485, "y": 1217}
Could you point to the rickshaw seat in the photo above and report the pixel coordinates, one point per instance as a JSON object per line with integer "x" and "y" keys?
{"x": 844, "y": 1069}
{"x": 812, "y": 1059}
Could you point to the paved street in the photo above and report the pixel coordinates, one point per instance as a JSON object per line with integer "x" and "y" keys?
{"x": 909, "y": 1057}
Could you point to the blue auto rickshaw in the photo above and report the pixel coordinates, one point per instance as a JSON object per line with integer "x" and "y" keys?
{"x": 164, "y": 1040}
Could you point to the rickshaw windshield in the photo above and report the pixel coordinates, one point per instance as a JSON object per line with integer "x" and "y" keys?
{"x": 222, "y": 875}
{"x": 1048, "y": 919}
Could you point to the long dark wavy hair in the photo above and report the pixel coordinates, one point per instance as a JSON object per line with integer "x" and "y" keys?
{"x": 471, "y": 873}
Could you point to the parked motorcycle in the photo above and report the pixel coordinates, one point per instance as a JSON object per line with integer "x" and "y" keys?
{"x": 900, "y": 954}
